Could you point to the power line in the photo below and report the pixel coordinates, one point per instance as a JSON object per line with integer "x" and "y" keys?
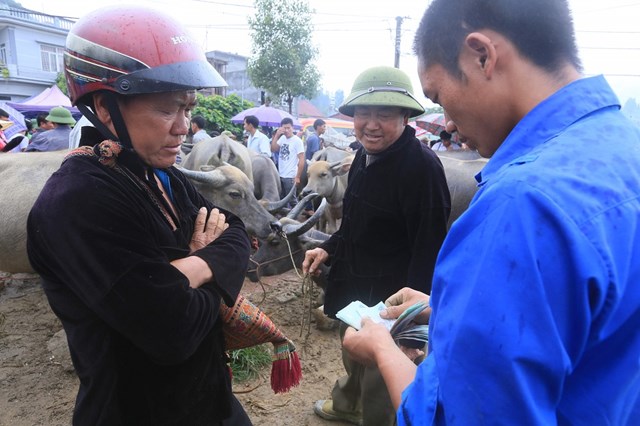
{"x": 609, "y": 48}
{"x": 607, "y": 32}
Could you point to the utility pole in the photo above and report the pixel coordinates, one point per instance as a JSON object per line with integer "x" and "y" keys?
{"x": 399, "y": 20}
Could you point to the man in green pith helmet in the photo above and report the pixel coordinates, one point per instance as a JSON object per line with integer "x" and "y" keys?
{"x": 394, "y": 220}
{"x": 57, "y": 138}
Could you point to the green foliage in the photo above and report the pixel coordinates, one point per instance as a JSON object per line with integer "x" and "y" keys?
{"x": 247, "y": 363}
{"x": 433, "y": 110}
{"x": 283, "y": 55}
{"x": 218, "y": 110}
{"x": 61, "y": 82}
{"x": 4, "y": 71}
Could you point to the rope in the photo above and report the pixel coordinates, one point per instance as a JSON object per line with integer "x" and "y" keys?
{"x": 306, "y": 290}
{"x": 306, "y": 285}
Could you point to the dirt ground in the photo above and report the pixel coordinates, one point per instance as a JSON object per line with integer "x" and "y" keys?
{"x": 38, "y": 385}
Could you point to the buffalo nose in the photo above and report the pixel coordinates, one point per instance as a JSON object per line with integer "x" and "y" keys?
{"x": 276, "y": 226}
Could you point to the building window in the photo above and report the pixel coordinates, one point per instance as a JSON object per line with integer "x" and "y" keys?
{"x": 52, "y": 58}
{"x": 3, "y": 54}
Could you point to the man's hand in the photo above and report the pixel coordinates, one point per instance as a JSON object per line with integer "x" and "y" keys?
{"x": 404, "y": 299}
{"x": 374, "y": 346}
{"x": 207, "y": 230}
{"x": 369, "y": 343}
{"x": 313, "y": 259}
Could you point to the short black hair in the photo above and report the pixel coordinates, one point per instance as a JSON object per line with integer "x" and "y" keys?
{"x": 4, "y": 113}
{"x": 541, "y": 30}
{"x": 199, "y": 121}
{"x": 319, "y": 122}
{"x": 253, "y": 120}
{"x": 286, "y": 120}
{"x": 444, "y": 135}
{"x": 41, "y": 118}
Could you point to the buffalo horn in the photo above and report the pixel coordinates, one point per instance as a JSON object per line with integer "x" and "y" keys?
{"x": 213, "y": 177}
{"x": 273, "y": 207}
{"x": 294, "y": 230}
{"x": 297, "y": 209}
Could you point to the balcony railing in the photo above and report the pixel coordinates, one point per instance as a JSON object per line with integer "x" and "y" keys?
{"x": 37, "y": 17}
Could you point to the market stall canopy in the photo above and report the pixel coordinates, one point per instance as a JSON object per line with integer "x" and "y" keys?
{"x": 43, "y": 102}
{"x": 16, "y": 118}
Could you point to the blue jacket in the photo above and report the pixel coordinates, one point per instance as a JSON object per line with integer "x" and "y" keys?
{"x": 536, "y": 292}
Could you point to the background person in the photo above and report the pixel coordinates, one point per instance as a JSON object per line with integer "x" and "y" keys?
{"x": 314, "y": 141}
{"x": 198, "y": 124}
{"x": 536, "y": 303}
{"x": 4, "y": 116}
{"x": 43, "y": 123}
{"x": 258, "y": 141}
{"x": 445, "y": 143}
{"x": 56, "y": 139}
{"x": 133, "y": 260}
{"x": 395, "y": 214}
{"x": 20, "y": 140}
{"x": 290, "y": 151}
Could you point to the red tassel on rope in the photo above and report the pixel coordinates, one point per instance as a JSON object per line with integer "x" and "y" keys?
{"x": 286, "y": 371}
{"x": 246, "y": 325}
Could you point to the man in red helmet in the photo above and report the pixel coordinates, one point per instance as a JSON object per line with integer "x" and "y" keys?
{"x": 133, "y": 260}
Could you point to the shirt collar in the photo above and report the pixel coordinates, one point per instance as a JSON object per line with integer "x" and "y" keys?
{"x": 548, "y": 119}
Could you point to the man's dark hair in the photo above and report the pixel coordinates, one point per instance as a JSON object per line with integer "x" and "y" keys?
{"x": 199, "y": 121}
{"x": 319, "y": 122}
{"x": 541, "y": 30}
{"x": 4, "y": 113}
{"x": 41, "y": 118}
{"x": 445, "y": 136}
{"x": 286, "y": 120}
{"x": 253, "y": 120}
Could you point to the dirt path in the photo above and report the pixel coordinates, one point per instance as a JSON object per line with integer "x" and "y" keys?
{"x": 38, "y": 386}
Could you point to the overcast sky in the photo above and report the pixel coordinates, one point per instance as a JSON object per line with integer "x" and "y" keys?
{"x": 352, "y": 35}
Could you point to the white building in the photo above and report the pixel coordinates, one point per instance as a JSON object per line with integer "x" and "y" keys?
{"x": 31, "y": 51}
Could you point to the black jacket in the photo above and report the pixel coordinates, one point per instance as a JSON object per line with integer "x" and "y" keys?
{"x": 394, "y": 221}
{"x": 147, "y": 348}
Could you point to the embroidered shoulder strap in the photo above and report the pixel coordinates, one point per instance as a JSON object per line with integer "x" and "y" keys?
{"x": 107, "y": 152}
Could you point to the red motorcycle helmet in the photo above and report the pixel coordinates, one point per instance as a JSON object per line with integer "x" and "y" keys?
{"x": 133, "y": 50}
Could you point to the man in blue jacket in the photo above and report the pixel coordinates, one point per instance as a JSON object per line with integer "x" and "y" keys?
{"x": 535, "y": 298}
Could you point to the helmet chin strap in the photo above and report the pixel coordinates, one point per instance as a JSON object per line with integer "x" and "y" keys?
{"x": 116, "y": 117}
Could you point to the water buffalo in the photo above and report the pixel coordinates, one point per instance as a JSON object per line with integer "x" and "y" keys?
{"x": 228, "y": 187}
{"x": 331, "y": 154}
{"x": 219, "y": 151}
{"x": 274, "y": 255}
{"x": 266, "y": 179}
{"x": 462, "y": 185}
{"x": 329, "y": 180}
{"x": 23, "y": 176}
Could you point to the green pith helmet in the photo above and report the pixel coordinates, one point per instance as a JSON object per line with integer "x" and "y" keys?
{"x": 382, "y": 86}
{"x": 60, "y": 115}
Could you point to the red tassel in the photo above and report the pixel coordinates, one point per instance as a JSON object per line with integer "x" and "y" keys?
{"x": 286, "y": 371}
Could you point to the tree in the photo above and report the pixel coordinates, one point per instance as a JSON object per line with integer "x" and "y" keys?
{"x": 434, "y": 110}
{"x": 283, "y": 56}
{"x": 61, "y": 82}
{"x": 218, "y": 110}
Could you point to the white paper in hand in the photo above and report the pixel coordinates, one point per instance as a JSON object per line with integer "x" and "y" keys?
{"x": 403, "y": 330}
{"x": 353, "y": 313}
